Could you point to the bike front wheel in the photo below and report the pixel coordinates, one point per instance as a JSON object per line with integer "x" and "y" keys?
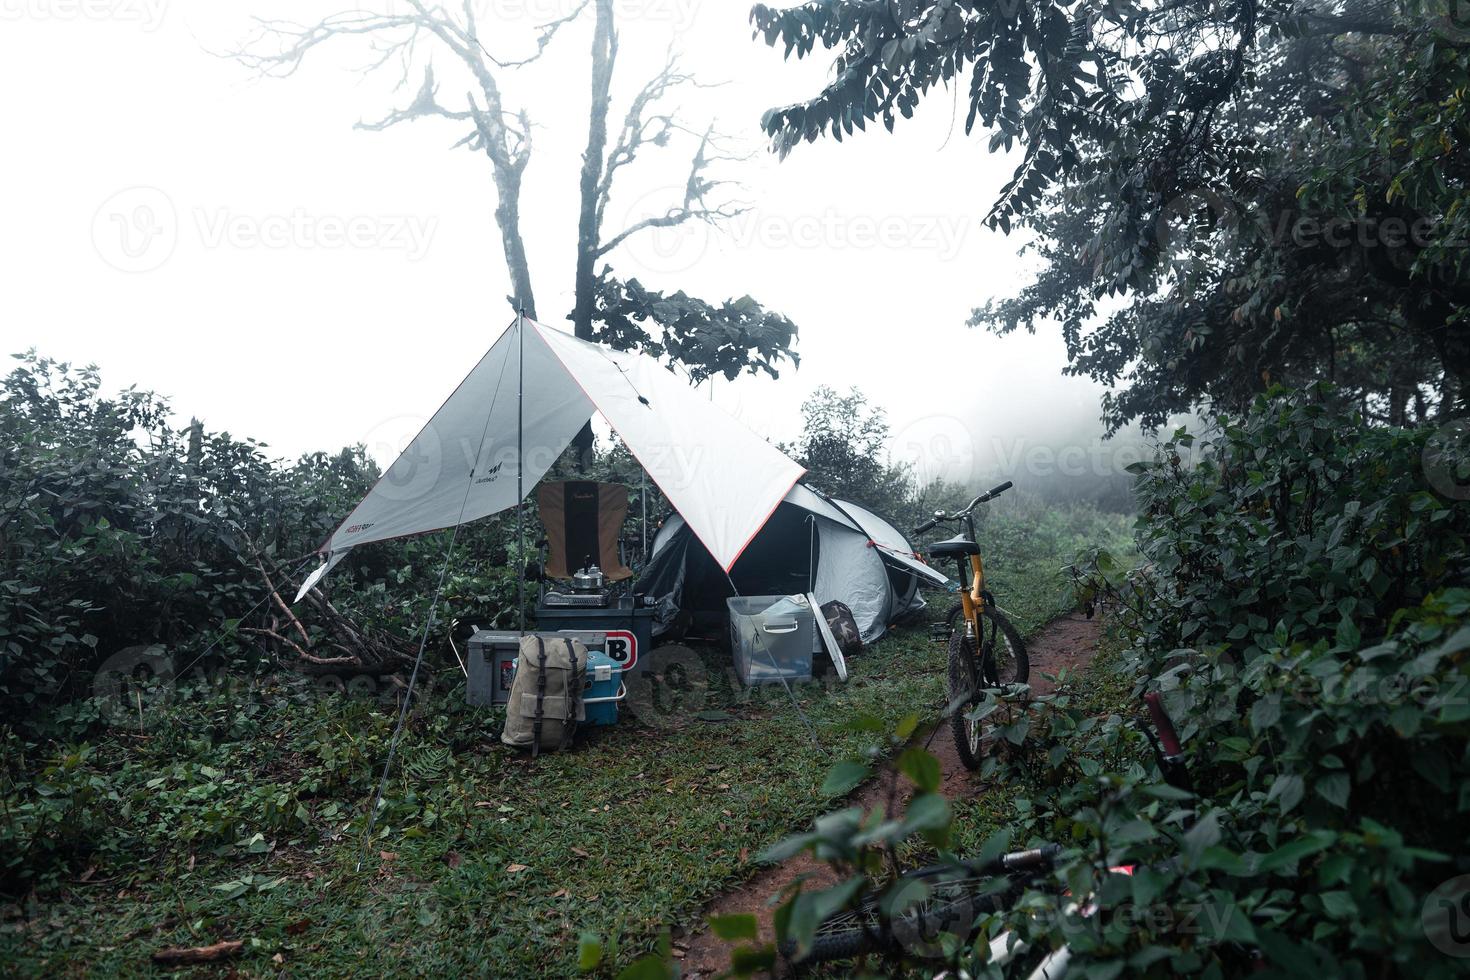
{"x": 1001, "y": 659}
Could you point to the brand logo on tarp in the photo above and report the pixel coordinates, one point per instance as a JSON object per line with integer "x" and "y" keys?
{"x": 491, "y": 474}
{"x": 354, "y": 529}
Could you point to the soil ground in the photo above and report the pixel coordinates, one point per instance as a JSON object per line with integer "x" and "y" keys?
{"x": 1070, "y": 641}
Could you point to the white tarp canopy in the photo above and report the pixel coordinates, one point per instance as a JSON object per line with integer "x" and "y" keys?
{"x": 722, "y": 477}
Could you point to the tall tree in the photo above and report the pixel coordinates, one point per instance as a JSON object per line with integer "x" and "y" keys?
{"x": 729, "y": 338}
{"x": 1187, "y": 156}
{"x": 279, "y": 47}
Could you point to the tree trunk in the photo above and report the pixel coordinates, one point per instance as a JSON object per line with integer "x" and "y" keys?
{"x": 508, "y": 218}
{"x": 604, "y": 53}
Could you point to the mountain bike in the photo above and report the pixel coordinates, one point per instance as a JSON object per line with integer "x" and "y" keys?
{"x": 949, "y": 899}
{"x": 985, "y": 651}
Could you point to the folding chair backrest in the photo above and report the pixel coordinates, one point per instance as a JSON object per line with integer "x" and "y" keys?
{"x": 583, "y": 519}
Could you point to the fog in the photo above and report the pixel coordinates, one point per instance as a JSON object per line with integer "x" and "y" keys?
{"x": 235, "y": 244}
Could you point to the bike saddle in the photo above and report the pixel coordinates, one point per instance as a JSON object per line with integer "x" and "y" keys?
{"x": 958, "y": 545}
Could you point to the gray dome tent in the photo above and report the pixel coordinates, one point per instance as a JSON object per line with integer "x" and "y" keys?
{"x": 811, "y": 543}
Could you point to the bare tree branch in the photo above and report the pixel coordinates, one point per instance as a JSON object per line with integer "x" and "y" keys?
{"x": 544, "y": 34}
{"x": 695, "y": 206}
{"x": 424, "y": 104}
{"x": 637, "y": 130}
{"x": 278, "y": 48}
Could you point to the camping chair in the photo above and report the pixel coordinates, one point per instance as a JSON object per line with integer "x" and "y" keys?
{"x": 583, "y": 520}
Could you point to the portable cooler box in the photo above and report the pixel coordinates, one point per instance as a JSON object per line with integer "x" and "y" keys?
{"x": 603, "y": 691}
{"x": 492, "y": 665}
{"x": 772, "y": 637}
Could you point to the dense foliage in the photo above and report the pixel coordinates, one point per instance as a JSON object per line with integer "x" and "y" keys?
{"x": 235, "y": 808}
{"x": 1276, "y": 186}
{"x": 1302, "y": 607}
{"x": 119, "y": 532}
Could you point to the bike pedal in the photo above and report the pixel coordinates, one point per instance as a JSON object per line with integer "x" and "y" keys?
{"x": 939, "y": 632}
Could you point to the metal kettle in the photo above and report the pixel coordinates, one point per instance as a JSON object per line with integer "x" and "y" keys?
{"x": 589, "y": 579}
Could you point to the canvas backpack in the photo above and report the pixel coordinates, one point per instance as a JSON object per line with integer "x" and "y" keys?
{"x": 844, "y": 627}
{"x": 546, "y": 695}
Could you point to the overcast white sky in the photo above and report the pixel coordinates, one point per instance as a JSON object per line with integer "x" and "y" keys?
{"x": 180, "y": 223}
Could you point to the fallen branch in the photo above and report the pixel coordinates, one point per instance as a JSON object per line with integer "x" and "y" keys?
{"x": 179, "y": 955}
{"x": 308, "y": 658}
{"x": 281, "y": 603}
{"x": 342, "y": 647}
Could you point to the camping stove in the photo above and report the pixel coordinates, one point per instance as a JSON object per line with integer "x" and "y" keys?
{"x": 589, "y": 591}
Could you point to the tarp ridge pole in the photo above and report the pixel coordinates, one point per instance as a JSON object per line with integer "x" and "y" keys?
{"x": 521, "y": 467}
{"x": 418, "y": 660}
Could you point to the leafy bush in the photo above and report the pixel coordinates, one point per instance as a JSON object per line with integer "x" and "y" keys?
{"x": 1302, "y": 608}
{"x": 118, "y": 530}
{"x": 844, "y": 447}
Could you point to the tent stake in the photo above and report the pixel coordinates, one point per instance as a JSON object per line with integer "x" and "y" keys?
{"x": 521, "y": 467}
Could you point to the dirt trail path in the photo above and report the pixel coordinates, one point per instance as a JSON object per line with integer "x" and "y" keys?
{"x": 1070, "y": 641}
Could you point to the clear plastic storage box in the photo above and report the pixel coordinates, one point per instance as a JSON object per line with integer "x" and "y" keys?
{"x": 772, "y": 637}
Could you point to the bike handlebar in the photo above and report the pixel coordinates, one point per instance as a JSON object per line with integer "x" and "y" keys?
{"x": 1036, "y": 859}
{"x": 1168, "y": 737}
{"x": 993, "y": 492}
{"x": 923, "y": 528}
{"x": 988, "y": 495}
{"x": 1017, "y": 862}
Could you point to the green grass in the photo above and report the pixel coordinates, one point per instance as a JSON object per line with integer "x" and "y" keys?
{"x": 238, "y": 815}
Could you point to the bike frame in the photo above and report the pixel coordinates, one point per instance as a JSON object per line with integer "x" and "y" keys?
{"x": 973, "y": 601}
{"x": 973, "y": 598}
